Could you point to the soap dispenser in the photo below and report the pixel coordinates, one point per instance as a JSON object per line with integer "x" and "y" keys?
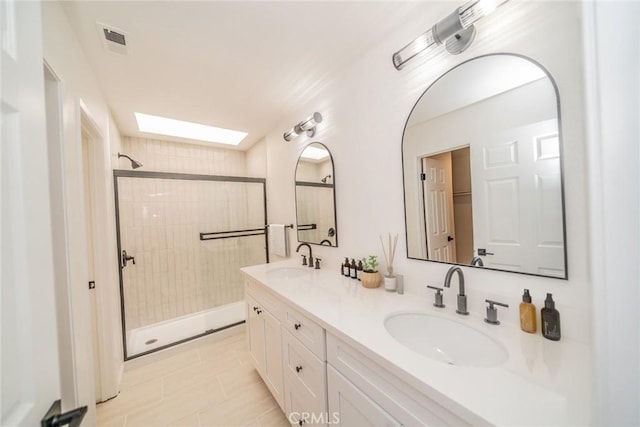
{"x": 347, "y": 267}
{"x": 527, "y": 314}
{"x": 550, "y": 319}
{"x": 354, "y": 269}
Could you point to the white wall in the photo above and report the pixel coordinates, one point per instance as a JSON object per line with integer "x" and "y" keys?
{"x": 365, "y": 111}
{"x": 81, "y": 96}
{"x": 256, "y": 158}
{"x": 612, "y": 47}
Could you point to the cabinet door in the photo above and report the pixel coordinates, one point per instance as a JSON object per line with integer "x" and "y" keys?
{"x": 349, "y": 407}
{"x": 273, "y": 374}
{"x": 302, "y": 407}
{"x": 255, "y": 333}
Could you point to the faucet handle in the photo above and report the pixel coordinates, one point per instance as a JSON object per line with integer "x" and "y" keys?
{"x": 304, "y": 259}
{"x": 438, "y": 296}
{"x": 492, "y": 312}
{"x": 318, "y": 263}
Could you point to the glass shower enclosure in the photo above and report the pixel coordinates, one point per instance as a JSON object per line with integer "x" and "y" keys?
{"x": 182, "y": 240}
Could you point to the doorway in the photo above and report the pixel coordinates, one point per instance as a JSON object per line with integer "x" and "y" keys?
{"x": 448, "y": 212}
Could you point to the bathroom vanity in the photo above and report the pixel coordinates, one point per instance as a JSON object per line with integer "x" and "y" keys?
{"x": 327, "y": 350}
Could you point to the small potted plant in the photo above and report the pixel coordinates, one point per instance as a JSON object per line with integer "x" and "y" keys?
{"x": 370, "y": 277}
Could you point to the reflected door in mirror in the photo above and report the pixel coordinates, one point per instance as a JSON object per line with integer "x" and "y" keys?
{"x": 438, "y": 193}
{"x": 522, "y": 233}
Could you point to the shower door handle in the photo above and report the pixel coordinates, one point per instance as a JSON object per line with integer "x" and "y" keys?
{"x": 126, "y": 257}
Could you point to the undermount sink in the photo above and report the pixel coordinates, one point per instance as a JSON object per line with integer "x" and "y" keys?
{"x": 288, "y": 272}
{"x": 445, "y": 340}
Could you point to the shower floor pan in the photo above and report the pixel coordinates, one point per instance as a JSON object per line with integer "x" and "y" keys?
{"x": 169, "y": 332}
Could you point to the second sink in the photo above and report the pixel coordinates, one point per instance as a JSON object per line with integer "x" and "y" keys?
{"x": 445, "y": 340}
{"x": 288, "y": 272}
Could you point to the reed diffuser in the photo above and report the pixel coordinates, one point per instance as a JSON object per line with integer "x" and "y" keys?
{"x": 389, "y": 256}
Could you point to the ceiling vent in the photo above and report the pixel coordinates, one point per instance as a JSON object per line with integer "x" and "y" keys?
{"x": 113, "y": 39}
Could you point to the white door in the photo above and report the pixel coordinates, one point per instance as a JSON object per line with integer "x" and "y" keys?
{"x": 273, "y": 356}
{"x": 519, "y": 233}
{"x": 438, "y": 195}
{"x": 255, "y": 332}
{"x": 29, "y": 357}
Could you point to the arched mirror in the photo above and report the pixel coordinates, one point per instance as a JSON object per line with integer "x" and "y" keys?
{"x": 315, "y": 196}
{"x": 482, "y": 164}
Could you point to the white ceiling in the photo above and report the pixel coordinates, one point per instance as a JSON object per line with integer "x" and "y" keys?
{"x": 232, "y": 64}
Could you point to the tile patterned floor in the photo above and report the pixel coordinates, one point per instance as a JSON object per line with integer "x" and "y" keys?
{"x": 205, "y": 382}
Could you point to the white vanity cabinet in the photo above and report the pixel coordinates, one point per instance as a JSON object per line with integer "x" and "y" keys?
{"x": 264, "y": 340}
{"x": 326, "y": 355}
{"x": 359, "y": 380}
{"x": 289, "y": 352}
{"x": 318, "y": 377}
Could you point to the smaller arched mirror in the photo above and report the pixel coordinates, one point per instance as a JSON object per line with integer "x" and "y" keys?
{"x": 315, "y": 196}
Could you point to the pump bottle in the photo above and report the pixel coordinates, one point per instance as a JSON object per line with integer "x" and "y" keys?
{"x": 527, "y": 314}
{"x": 550, "y": 320}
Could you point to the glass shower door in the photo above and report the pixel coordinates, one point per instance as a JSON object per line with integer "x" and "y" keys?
{"x": 182, "y": 241}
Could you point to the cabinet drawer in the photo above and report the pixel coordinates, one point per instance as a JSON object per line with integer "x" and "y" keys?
{"x": 306, "y": 330}
{"x": 266, "y": 300}
{"x": 402, "y": 401}
{"x": 303, "y": 367}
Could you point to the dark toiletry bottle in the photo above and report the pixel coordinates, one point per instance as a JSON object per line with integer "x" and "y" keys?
{"x": 347, "y": 268}
{"x": 354, "y": 269}
{"x": 342, "y": 268}
{"x": 359, "y": 270}
{"x": 527, "y": 314}
{"x": 550, "y": 319}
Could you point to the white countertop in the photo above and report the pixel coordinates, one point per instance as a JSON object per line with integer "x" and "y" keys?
{"x": 542, "y": 383}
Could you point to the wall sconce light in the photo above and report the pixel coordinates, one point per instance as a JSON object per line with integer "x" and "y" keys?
{"x": 308, "y": 125}
{"x": 456, "y": 31}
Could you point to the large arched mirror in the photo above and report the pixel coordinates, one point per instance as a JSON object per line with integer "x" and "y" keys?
{"x": 315, "y": 196}
{"x": 482, "y": 164}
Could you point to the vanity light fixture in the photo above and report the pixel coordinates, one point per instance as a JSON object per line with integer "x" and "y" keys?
{"x": 308, "y": 125}
{"x": 456, "y": 31}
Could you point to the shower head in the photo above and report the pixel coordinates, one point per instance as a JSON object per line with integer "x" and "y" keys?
{"x": 134, "y": 163}
{"x": 324, "y": 180}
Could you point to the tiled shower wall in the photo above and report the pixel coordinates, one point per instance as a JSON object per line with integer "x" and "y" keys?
{"x": 165, "y": 156}
{"x": 160, "y": 220}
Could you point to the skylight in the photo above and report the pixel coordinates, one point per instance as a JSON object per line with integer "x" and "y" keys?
{"x": 188, "y": 130}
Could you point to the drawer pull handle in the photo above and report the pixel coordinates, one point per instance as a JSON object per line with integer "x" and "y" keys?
{"x": 255, "y": 308}
{"x": 297, "y": 326}
{"x": 258, "y": 311}
{"x": 300, "y": 422}
{"x": 298, "y": 369}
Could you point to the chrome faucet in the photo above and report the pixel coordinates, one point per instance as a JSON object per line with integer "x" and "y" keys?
{"x": 462, "y": 298}
{"x": 304, "y": 261}
{"x": 477, "y": 261}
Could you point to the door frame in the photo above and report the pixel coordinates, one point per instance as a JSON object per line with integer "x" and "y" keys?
{"x": 109, "y": 357}
{"x": 60, "y": 236}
